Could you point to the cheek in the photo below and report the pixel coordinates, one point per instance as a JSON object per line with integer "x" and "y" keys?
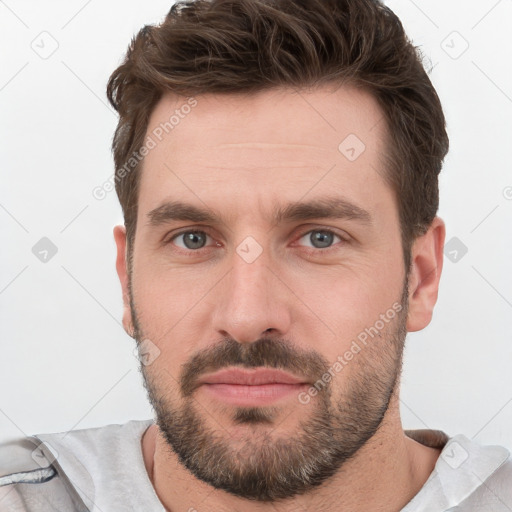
{"x": 171, "y": 307}
{"x": 348, "y": 299}
{"x": 164, "y": 294}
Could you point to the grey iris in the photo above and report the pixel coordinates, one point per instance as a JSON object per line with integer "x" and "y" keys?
{"x": 194, "y": 240}
{"x": 321, "y": 239}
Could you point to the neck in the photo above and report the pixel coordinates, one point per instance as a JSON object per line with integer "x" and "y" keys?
{"x": 384, "y": 475}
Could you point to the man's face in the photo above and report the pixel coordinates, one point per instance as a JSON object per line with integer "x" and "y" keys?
{"x": 264, "y": 283}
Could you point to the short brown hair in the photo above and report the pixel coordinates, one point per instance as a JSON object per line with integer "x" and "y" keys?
{"x": 237, "y": 46}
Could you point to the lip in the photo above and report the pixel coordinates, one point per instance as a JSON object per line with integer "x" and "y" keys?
{"x": 256, "y": 377}
{"x": 251, "y": 388}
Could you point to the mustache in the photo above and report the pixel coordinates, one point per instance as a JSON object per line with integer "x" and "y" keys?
{"x": 270, "y": 353}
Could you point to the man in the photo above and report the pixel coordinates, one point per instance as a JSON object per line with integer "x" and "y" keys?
{"x": 277, "y": 166}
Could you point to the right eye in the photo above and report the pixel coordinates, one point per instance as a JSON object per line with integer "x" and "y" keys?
{"x": 191, "y": 240}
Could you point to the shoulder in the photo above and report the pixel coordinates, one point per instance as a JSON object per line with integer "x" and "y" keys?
{"x": 28, "y": 478}
{"x": 105, "y": 442}
{"x": 22, "y": 460}
{"x": 468, "y": 476}
{"x": 479, "y": 476}
{"x": 61, "y": 468}
{"x": 492, "y": 493}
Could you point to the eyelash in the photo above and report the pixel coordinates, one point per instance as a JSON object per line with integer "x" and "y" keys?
{"x": 192, "y": 252}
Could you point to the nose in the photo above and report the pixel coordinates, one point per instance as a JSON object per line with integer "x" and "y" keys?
{"x": 252, "y": 302}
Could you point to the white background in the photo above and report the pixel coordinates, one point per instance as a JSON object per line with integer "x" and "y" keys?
{"x": 66, "y": 362}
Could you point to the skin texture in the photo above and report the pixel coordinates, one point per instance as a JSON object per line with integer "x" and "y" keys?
{"x": 242, "y": 157}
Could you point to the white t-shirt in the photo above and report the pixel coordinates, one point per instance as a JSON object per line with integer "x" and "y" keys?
{"x": 106, "y": 467}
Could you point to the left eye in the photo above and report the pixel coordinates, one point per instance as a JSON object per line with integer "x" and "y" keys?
{"x": 320, "y": 238}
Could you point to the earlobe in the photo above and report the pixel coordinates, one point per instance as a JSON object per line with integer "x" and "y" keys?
{"x": 122, "y": 272}
{"x": 426, "y": 267}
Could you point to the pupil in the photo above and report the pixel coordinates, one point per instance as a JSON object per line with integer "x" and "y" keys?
{"x": 194, "y": 240}
{"x": 321, "y": 239}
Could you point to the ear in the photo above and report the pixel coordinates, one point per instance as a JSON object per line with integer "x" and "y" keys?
{"x": 122, "y": 272}
{"x": 426, "y": 267}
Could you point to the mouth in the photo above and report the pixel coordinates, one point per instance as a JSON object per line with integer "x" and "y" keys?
{"x": 251, "y": 388}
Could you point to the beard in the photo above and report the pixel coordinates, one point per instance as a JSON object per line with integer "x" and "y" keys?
{"x": 261, "y": 465}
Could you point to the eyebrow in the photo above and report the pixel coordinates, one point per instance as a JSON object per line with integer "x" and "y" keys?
{"x": 322, "y": 208}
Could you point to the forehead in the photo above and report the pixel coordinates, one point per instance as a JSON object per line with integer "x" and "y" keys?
{"x": 273, "y": 146}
